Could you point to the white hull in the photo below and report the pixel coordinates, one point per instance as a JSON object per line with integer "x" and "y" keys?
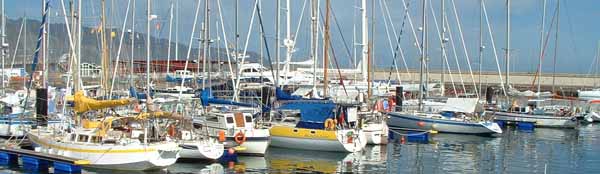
{"x": 110, "y": 156}
{"x": 307, "y": 143}
{"x": 256, "y": 146}
{"x": 413, "y": 122}
{"x": 201, "y": 149}
{"x": 538, "y": 120}
{"x": 589, "y": 95}
{"x": 592, "y": 117}
{"x": 376, "y": 133}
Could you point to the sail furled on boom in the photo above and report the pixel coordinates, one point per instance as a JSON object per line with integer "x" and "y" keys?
{"x": 84, "y": 104}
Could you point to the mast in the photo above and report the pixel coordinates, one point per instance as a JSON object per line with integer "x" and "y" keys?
{"x": 147, "y": 65}
{"x": 44, "y": 46}
{"x": 148, "y": 47}
{"x": 132, "y": 36}
{"x": 235, "y": 52}
{"x": 508, "y": 43}
{"x": 481, "y": 47}
{"x": 288, "y": 42}
{"x": 77, "y": 74}
{"x": 326, "y": 49}
{"x": 443, "y": 47}
{"x": 541, "y": 48}
{"x": 423, "y": 53}
{"x": 205, "y": 44}
{"x": 105, "y": 57}
{"x": 365, "y": 40}
{"x": 277, "y": 47}
{"x": 313, "y": 40}
{"x": 370, "y": 61}
{"x": 169, "y": 39}
{"x": 3, "y": 48}
{"x": 176, "y": 30}
{"x": 555, "y": 46}
{"x": 25, "y": 46}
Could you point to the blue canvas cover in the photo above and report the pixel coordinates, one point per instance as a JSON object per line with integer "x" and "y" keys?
{"x": 282, "y": 95}
{"x": 207, "y": 98}
{"x": 138, "y": 95}
{"x": 316, "y": 111}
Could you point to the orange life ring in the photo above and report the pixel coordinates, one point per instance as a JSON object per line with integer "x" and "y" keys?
{"x": 240, "y": 138}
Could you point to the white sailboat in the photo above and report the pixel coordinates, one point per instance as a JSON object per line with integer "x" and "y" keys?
{"x": 109, "y": 141}
{"x": 118, "y": 143}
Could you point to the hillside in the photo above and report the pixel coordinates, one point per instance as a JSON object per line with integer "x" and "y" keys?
{"x": 59, "y": 45}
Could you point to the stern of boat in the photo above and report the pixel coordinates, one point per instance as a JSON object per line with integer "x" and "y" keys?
{"x": 352, "y": 140}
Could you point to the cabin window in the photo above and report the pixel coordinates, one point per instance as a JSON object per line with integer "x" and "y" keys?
{"x": 212, "y": 119}
{"x": 83, "y": 138}
{"x": 73, "y": 136}
{"x": 248, "y": 119}
{"x": 96, "y": 139}
{"x": 229, "y": 120}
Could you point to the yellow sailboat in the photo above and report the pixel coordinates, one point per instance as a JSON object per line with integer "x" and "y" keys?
{"x": 317, "y": 128}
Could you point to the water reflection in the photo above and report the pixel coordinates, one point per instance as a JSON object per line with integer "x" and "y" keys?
{"x": 291, "y": 160}
{"x": 538, "y": 151}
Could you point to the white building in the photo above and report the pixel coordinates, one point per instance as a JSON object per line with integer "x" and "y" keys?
{"x": 90, "y": 70}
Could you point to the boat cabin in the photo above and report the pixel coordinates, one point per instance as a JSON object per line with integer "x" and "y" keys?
{"x": 230, "y": 121}
{"x": 183, "y": 74}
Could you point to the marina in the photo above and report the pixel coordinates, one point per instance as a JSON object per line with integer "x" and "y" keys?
{"x": 311, "y": 86}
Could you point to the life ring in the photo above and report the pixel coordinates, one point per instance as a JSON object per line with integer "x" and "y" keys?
{"x": 330, "y": 124}
{"x": 240, "y": 138}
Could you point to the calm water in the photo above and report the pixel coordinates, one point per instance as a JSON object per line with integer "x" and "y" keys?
{"x": 550, "y": 150}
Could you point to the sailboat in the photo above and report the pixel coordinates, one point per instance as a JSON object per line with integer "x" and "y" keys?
{"x": 109, "y": 142}
{"x": 532, "y": 110}
{"x": 459, "y": 115}
{"x": 322, "y": 125}
{"x": 310, "y": 124}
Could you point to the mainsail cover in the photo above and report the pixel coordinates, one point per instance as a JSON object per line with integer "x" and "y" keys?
{"x": 310, "y": 110}
{"x": 84, "y": 104}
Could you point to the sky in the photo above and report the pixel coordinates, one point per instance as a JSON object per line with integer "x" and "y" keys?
{"x": 577, "y": 29}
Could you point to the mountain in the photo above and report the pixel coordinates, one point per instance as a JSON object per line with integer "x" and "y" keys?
{"x": 91, "y": 47}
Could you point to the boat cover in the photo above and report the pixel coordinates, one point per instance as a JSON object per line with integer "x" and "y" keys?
{"x": 207, "y": 98}
{"x": 83, "y": 103}
{"x": 281, "y": 95}
{"x": 465, "y": 105}
{"x": 311, "y": 110}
